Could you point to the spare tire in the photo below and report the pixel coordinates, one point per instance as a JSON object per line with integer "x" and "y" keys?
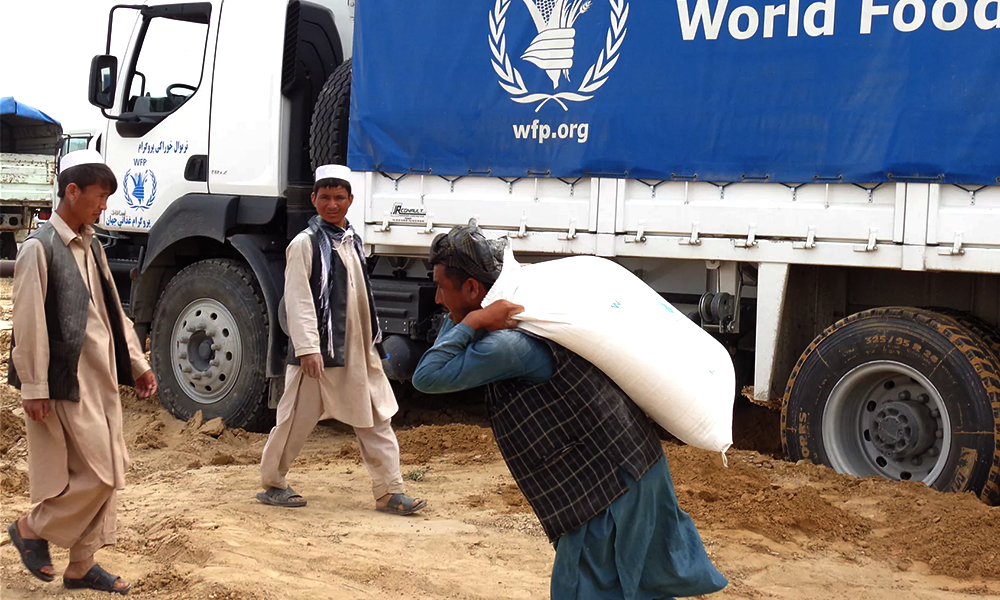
{"x": 328, "y": 133}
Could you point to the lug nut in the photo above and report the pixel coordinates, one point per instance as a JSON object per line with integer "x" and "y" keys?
{"x": 184, "y": 339}
{"x": 214, "y": 363}
{"x": 923, "y": 398}
{"x": 904, "y": 396}
{"x": 186, "y": 370}
{"x": 197, "y": 376}
{"x": 916, "y": 461}
{"x": 182, "y": 356}
{"x": 935, "y": 413}
{"x": 939, "y": 434}
{"x": 210, "y": 333}
{"x": 933, "y": 452}
{"x": 191, "y": 329}
{"x": 216, "y": 347}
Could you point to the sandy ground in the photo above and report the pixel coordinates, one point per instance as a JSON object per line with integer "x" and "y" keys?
{"x": 189, "y": 527}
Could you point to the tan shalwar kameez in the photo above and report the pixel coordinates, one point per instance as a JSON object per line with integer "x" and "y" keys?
{"x": 76, "y": 457}
{"x": 357, "y": 394}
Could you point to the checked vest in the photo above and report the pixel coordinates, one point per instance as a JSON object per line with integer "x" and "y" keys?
{"x": 566, "y": 439}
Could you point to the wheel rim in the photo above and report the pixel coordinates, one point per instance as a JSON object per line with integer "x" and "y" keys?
{"x": 206, "y": 351}
{"x": 886, "y": 419}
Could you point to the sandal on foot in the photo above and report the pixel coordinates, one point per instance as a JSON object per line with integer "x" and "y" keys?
{"x": 401, "y": 504}
{"x": 281, "y": 497}
{"x": 97, "y": 579}
{"x": 34, "y": 553}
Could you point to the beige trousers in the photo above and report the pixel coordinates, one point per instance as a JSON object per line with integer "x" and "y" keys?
{"x": 298, "y": 413}
{"x": 83, "y": 517}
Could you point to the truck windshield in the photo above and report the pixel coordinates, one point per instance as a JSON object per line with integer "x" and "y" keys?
{"x": 169, "y": 66}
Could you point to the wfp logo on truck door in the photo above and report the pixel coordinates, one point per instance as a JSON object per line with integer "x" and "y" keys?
{"x": 140, "y": 188}
{"x": 554, "y": 49}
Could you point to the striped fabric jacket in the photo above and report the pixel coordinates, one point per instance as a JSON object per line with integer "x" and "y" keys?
{"x": 566, "y": 439}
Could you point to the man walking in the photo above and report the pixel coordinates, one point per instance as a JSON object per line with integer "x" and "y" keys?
{"x": 334, "y": 369}
{"x": 585, "y": 456}
{"x": 73, "y": 346}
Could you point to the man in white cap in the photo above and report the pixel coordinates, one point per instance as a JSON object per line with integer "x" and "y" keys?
{"x": 73, "y": 346}
{"x": 334, "y": 365}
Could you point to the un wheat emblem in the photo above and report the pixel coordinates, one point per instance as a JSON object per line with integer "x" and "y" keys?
{"x": 140, "y": 189}
{"x": 552, "y": 50}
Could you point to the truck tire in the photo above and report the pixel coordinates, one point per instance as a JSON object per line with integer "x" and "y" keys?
{"x": 986, "y": 332}
{"x": 328, "y": 133}
{"x": 208, "y": 345}
{"x": 900, "y": 393}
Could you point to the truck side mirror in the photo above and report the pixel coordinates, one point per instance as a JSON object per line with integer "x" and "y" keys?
{"x": 103, "y": 81}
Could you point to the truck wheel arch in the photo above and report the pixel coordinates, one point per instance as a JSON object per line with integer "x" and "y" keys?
{"x": 205, "y": 222}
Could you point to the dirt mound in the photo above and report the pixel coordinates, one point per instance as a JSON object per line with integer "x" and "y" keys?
{"x": 744, "y": 497}
{"x": 11, "y": 429}
{"x": 428, "y": 442}
{"x": 13, "y": 481}
{"x": 13, "y": 453}
{"x": 165, "y": 580}
{"x": 955, "y": 535}
{"x": 159, "y": 442}
{"x": 4, "y": 340}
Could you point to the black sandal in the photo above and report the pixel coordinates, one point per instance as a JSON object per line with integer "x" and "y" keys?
{"x": 34, "y": 553}
{"x": 287, "y": 497}
{"x": 96, "y": 579}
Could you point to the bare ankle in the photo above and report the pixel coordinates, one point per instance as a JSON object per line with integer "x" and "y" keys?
{"x": 24, "y": 530}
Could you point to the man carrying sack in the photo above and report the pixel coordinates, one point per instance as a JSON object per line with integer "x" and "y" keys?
{"x": 334, "y": 369}
{"x": 585, "y": 456}
{"x": 73, "y": 346}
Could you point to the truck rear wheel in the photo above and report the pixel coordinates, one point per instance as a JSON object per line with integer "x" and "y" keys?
{"x": 899, "y": 393}
{"x": 209, "y": 345}
{"x": 328, "y": 133}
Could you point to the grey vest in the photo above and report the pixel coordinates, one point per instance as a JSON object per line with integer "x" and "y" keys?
{"x": 338, "y": 306}
{"x": 565, "y": 441}
{"x": 66, "y": 301}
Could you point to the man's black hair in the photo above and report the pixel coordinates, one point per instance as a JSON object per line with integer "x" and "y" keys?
{"x": 332, "y": 182}
{"x": 87, "y": 175}
{"x": 458, "y": 277}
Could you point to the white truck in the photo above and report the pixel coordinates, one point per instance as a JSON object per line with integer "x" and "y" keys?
{"x": 751, "y": 163}
{"x": 29, "y": 141}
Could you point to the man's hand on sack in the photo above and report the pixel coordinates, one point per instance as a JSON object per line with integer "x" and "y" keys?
{"x": 145, "y": 384}
{"x": 312, "y": 365}
{"x": 37, "y": 409}
{"x": 496, "y": 316}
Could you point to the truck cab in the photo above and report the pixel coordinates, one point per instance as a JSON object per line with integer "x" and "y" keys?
{"x": 208, "y": 127}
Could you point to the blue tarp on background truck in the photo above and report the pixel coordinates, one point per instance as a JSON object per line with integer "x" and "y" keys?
{"x": 855, "y": 91}
{"x": 24, "y": 129}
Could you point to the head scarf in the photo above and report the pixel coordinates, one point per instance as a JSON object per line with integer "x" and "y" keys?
{"x": 466, "y": 248}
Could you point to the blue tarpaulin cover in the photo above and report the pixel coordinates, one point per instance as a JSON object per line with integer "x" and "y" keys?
{"x": 720, "y": 90}
{"x": 9, "y": 106}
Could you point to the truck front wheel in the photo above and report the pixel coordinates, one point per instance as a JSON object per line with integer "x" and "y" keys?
{"x": 209, "y": 345}
{"x": 899, "y": 393}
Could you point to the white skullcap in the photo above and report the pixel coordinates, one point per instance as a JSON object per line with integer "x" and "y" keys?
{"x": 80, "y": 157}
{"x": 333, "y": 171}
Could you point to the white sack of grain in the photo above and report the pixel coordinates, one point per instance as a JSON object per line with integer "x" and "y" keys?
{"x": 673, "y": 369}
